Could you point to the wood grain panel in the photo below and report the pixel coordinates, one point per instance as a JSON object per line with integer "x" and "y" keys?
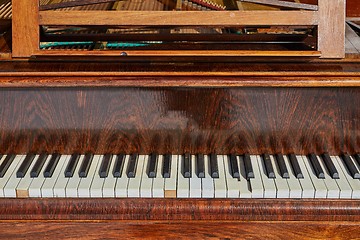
{"x": 180, "y": 119}
{"x": 178, "y": 230}
{"x": 179, "y": 209}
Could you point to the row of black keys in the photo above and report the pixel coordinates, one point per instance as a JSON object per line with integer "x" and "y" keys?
{"x": 186, "y": 166}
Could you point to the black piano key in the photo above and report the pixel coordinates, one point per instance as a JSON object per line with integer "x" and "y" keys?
{"x": 330, "y": 166}
{"x": 314, "y": 162}
{"x": 6, "y": 164}
{"x": 248, "y": 166}
{"x": 35, "y": 171}
{"x": 268, "y": 166}
{"x": 119, "y": 165}
{"x": 166, "y": 170}
{"x": 357, "y": 158}
{"x": 24, "y": 167}
{"x": 131, "y": 168}
{"x": 282, "y": 166}
{"x": 70, "y": 168}
{"x": 85, "y": 165}
{"x": 105, "y": 166}
{"x": 186, "y": 165}
{"x": 234, "y": 166}
{"x": 350, "y": 166}
{"x": 200, "y": 167}
{"x": 50, "y": 168}
{"x": 152, "y": 165}
{"x": 295, "y": 166}
{"x": 214, "y": 168}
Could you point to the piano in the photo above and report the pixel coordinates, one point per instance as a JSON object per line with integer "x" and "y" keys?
{"x": 116, "y": 127}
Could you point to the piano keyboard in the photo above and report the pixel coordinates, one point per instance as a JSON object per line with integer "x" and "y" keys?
{"x": 180, "y": 176}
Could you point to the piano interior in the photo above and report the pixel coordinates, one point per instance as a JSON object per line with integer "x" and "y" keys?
{"x": 164, "y": 119}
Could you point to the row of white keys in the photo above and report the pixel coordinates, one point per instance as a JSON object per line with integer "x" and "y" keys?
{"x": 333, "y": 190}
{"x": 97, "y": 182}
{"x": 343, "y": 171}
{"x": 207, "y": 183}
{"x": 342, "y": 182}
{"x": 233, "y": 186}
{"x": 146, "y": 183}
{"x": 34, "y": 189}
{"x": 195, "y": 181}
{"x": 319, "y": 185}
{"x": 158, "y": 181}
{"x": 22, "y": 188}
{"x": 108, "y": 189}
{"x": 257, "y": 188}
{"x": 85, "y": 184}
{"x": 183, "y": 184}
{"x": 281, "y": 184}
{"x": 244, "y": 184}
{"x": 3, "y": 180}
{"x": 296, "y": 190}
{"x": 306, "y": 183}
{"x": 59, "y": 189}
{"x": 135, "y": 183}
{"x": 73, "y": 183}
{"x": 170, "y": 183}
{"x": 123, "y": 181}
{"x": 9, "y": 189}
{"x": 220, "y": 183}
{"x": 268, "y": 183}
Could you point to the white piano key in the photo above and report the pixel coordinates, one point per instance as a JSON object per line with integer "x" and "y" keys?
{"x": 73, "y": 183}
{"x": 36, "y": 183}
{"x": 331, "y": 185}
{"x": 282, "y": 186}
{"x": 183, "y": 184}
{"x": 244, "y": 184}
{"x": 170, "y": 183}
{"x": 294, "y": 184}
{"x": 342, "y": 182}
{"x": 13, "y": 181}
{"x": 158, "y": 182}
{"x": 146, "y": 182}
{"x": 257, "y": 187}
{"x": 110, "y": 181}
{"x": 319, "y": 185}
{"x": 7, "y": 175}
{"x": 270, "y": 190}
{"x": 220, "y": 183}
{"x": 195, "y": 181}
{"x": 85, "y": 183}
{"x": 306, "y": 183}
{"x": 22, "y": 189}
{"x": 233, "y": 186}
{"x": 47, "y": 189}
{"x": 96, "y": 188}
{"x": 207, "y": 183}
{"x": 59, "y": 188}
{"x": 354, "y": 183}
{"x": 123, "y": 181}
{"x": 135, "y": 183}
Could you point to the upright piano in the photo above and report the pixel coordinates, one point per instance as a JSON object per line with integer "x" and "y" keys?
{"x": 164, "y": 119}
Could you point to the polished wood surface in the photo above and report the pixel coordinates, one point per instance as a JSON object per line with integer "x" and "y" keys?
{"x": 178, "y": 230}
{"x": 180, "y": 119}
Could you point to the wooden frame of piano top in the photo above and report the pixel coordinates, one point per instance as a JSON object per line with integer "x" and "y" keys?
{"x": 329, "y": 19}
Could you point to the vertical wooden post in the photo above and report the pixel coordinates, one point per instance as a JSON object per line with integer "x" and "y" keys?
{"x": 331, "y": 28}
{"x": 25, "y": 27}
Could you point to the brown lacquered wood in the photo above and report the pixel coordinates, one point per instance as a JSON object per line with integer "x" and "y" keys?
{"x": 180, "y": 209}
{"x": 178, "y": 230}
{"x": 180, "y": 119}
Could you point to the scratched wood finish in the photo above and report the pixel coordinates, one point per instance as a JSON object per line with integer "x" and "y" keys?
{"x": 180, "y": 209}
{"x": 178, "y": 230}
{"x": 179, "y": 119}
{"x": 353, "y": 8}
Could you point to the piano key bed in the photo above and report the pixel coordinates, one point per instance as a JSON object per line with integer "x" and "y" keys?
{"x": 180, "y": 176}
